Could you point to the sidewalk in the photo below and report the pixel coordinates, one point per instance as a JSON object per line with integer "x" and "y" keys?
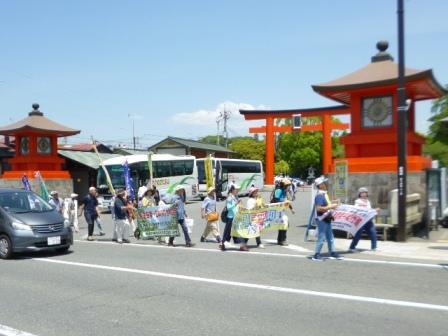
{"x": 436, "y": 248}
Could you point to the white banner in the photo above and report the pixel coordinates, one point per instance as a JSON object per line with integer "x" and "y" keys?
{"x": 350, "y": 218}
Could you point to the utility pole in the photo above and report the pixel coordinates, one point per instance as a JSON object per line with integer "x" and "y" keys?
{"x": 225, "y": 115}
{"x": 133, "y": 128}
{"x": 402, "y": 127}
{"x": 217, "y": 129}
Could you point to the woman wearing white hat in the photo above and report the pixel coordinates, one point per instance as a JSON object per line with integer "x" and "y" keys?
{"x": 232, "y": 203}
{"x": 208, "y": 211}
{"x": 255, "y": 201}
{"x": 179, "y": 199}
{"x": 324, "y": 207}
{"x": 369, "y": 227}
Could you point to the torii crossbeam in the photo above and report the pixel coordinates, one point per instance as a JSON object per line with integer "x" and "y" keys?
{"x": 327, "y": 125}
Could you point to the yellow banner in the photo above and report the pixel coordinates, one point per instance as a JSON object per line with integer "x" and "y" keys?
{"x": 251, "y": 223}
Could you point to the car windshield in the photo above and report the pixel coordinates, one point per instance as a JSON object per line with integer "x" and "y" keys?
{"x": 21, "y": 202}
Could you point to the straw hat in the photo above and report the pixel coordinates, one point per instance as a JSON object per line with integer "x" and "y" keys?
{"x": 210, "y": 190}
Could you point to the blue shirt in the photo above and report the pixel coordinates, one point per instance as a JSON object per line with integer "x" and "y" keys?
{"x": 209, "y": 205}
{"x": 180, "y": 206}
{"x": 280, "y": 194}
{"x": 90, "y": 203}
{"x": 231, "y": 204}
{"x": 119, "y": 212}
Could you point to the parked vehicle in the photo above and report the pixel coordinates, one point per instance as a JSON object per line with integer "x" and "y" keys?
{"x": 29, "y": 223}
{"x": 168, "y": 172}
{"x": 245, "y": 173}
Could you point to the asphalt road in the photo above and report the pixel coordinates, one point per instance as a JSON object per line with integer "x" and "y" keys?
{"x": 143, "y": 288}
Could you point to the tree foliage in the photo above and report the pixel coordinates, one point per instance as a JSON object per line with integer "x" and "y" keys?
{"x": 437, "y": 141}
{"x": 281, "y": 167}
{"x": 248, "y": 148}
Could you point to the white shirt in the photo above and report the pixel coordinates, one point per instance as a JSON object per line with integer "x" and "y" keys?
{"x": 363, "y": 203}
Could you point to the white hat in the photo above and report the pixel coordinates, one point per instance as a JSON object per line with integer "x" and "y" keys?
{"x": 179, "y": 187}
{"x": 252, "y": 190}
{"x": 141, "y": 191}
{"x": 54, "y": 192}
{"x": 320, "y": 180}
{"x": 73, "y": 195}
{"x": 363, "y": 190}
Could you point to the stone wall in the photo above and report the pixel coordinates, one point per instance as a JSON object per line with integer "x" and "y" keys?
{"x": 63, "y": 186}
{"x": 379, "y": 185}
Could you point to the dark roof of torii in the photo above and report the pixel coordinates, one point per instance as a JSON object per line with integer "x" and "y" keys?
{"x": 37, "y": 122}
{"x": 420, "y": 84}
{"x": 306, "y": 112}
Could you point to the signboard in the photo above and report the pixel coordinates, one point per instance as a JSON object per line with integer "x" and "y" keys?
{"x": 341, "y": 180}
{"x": 158, "y": 221}
{"x": 251, "y": 223}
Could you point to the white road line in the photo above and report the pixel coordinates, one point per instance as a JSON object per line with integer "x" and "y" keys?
{"x": 408, "y": 304}
{"x": 289, "y": 247}
{"x": 272, "y": 254}
{"x": 8, "y": 331}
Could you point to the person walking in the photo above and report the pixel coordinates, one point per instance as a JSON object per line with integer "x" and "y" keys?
{"x": 121, "y": 217}
{"x": 56, "y": 202}
{"x": 89, "y": 206}
{"x": 72, "y": 208}
{"x": 208, "y": 211}
{"x": 369, "y": 227}
{"x": 179, "y": 200}
{"x": 323, "y": 212}
{"x": 255, "y": 201}
{"x": 148, "y": 199}
{"x": 280, "y": 195}
{"x": 98, "y": 221}
{"x": 232, "y": 204}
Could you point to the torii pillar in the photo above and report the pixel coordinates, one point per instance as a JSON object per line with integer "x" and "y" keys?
{"x": 326, "y": 126}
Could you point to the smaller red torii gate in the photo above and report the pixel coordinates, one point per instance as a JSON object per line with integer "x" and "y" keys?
{"x": 327, "y": 125}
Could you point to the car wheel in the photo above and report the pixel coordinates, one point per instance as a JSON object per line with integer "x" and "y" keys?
{"x": 63, "y": 249}
{"x": 5, "y": 247}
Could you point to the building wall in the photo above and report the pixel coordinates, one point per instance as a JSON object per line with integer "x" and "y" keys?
{"x": 379, "y": 185}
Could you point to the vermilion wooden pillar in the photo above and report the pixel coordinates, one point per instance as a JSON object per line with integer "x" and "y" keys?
{"x": 270, "y": 144}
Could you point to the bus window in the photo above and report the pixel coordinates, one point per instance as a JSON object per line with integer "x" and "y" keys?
{"x": 162, "y": 169}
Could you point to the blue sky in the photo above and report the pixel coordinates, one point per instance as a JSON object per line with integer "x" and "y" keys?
{"x": 169, "y": 66}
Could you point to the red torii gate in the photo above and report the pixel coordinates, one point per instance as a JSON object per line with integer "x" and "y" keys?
{"x": 326, "y": 126}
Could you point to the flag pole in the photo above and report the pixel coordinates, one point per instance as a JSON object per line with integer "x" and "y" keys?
{"x": 106, "y": 173}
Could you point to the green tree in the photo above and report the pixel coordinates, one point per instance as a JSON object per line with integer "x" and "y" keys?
{"x": 281, "y": 167}
{"x": 248, "y": 148}
{"x": 211, "y": 139}
{"x": 437, "y": 141}
{"x": 304, "y": 149}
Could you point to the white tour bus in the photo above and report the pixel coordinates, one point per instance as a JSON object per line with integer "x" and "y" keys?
{"x": 245, "y": 173}
{"x": 168, "y": 172}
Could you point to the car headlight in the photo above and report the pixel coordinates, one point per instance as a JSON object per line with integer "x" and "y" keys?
{"x": 20, "y": 226}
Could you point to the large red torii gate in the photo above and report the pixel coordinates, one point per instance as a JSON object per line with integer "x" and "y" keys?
{"x": 327, "y": 125}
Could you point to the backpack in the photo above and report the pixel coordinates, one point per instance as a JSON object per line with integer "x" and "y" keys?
{"x": 224, "y": 213}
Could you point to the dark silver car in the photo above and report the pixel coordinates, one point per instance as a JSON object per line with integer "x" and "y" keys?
{"x": 28, "y": 223}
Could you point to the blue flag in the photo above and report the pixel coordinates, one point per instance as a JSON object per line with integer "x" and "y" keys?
{"x": 26, "y": 183}
{"x": 128, "y": 181}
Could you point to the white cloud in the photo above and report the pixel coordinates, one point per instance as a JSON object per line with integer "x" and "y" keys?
{"x": 237, "y": 125}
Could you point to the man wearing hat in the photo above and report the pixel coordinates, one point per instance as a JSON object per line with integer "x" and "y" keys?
{"x": 55, "y": 202}
{"x": 208, "y": 211}
{"x": 179, "y": 200}
{"x": 369, "y": 227}
{"x": 121, "y": 217}
{"x": 324, "y": 209}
